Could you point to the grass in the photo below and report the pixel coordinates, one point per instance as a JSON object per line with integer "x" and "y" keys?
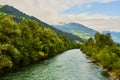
{"x": 0, "y": 6}
{"x": 2, "y": 13}
{"x": 81, "y": 34}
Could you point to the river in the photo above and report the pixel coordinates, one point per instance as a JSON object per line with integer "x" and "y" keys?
{"x": 70, "y": 65}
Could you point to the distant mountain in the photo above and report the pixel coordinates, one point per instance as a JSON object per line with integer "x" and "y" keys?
{"x": 77, "y": 29}
{"x": 115, "y": 35}
{"x": 18, "y": 16}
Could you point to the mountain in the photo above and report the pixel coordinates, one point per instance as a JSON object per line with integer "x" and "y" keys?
{"x": 77, "y": 29}
{"x": 18, "y": 16}
{"x": 115, "y": 35}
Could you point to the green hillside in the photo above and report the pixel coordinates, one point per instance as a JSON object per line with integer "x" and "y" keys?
{"x": 77, "y": 29}
{"x": 0, "y": 6}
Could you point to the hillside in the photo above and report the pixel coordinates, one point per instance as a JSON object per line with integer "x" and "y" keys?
{"x": 77, "y": 29}
{"x": 27, "y": 42}
{"x": 115, "y": 35}
{"x": 18, "y": 16}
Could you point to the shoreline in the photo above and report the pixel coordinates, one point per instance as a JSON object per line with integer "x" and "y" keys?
{"x": 112, "y": 74}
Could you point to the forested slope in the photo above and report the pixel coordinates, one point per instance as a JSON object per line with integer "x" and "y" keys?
{"x": 26, "y": 42}
{"x": 103, "y": 50}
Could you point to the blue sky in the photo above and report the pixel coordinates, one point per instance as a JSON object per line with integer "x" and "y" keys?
{"x": 111, "y": 9}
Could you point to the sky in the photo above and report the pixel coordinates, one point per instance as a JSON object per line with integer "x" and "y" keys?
{"x": 97, "y": 14}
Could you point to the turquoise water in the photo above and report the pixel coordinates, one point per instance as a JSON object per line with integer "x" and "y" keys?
{"x": 70, "y": 65}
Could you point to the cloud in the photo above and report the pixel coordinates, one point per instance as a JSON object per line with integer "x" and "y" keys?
{"x": 98, "y": 22}
{"x": 48, "y": 11}
{"x": 53, "y": 6}
{"x": 106, "y": 1}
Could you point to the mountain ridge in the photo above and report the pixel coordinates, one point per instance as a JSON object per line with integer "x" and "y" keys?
{"x": 77, "y": 29}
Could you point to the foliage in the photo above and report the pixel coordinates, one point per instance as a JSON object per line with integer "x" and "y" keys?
{"x": 0, "y": 6}
{"x": 27, "y": 42}
{"x": 103, "y": 50}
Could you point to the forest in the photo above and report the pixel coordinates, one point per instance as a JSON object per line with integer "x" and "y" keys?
{"x": 27, "y": 42}
{"x": 104, "y": 51}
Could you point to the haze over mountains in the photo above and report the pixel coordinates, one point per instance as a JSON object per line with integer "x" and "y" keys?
{"x": 115, "y": 35}
{"x": 83, "y": 31}
{"x": 77, "y": 29}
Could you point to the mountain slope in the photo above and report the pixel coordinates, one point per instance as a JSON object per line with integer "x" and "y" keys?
{"x": 18, "y": 16}
{"x": 77, "y": 29}
{"x": 115, "y": 35}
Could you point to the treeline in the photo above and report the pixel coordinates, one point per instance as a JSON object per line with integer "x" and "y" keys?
{"x": 27, "y": 42}
{"x": 103, "y": 50}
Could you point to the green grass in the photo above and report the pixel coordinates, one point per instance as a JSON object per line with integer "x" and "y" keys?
{"x": 0, "y": 6}
{"x": 2, "y": 13}
{"x": 81, "y": 34}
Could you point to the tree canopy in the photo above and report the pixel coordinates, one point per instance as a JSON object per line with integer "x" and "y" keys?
{"x": 26, "y": 42}
{"x": 104, "y": 51}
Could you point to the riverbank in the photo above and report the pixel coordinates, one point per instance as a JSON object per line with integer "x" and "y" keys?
{"x": 104, "y": 51}
{"x": 113, "y": 75}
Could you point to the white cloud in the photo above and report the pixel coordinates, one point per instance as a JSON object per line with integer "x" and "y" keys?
{"x": 97, "y": 21}
{"x": 106, "y": 1}
{"x": 48, "y": 11}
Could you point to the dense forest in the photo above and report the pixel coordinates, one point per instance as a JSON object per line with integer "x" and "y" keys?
{"x": 104, "y": 51}
{"x": 26, "y": 42}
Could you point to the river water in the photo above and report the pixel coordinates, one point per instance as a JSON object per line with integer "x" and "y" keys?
{"x": 70, "y": 65}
